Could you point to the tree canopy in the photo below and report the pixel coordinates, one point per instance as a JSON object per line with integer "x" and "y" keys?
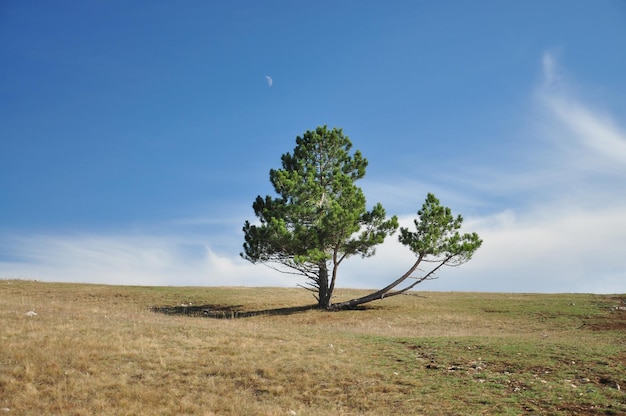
{"x": 319, "y": 218}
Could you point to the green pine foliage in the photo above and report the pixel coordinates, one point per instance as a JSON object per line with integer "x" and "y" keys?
{"x": 437, "y": 237}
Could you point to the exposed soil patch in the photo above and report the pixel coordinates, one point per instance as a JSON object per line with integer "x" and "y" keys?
{"x": 614, "y": 320}
{"x": 588, "y": 409}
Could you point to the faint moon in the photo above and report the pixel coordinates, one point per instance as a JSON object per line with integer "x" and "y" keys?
{"x": 269, "y": 80}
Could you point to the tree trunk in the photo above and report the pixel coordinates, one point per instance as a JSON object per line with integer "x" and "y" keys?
{"x": 324, "y": 292}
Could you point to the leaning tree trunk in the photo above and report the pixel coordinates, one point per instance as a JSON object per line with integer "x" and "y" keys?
{"x": 386, "y": 291}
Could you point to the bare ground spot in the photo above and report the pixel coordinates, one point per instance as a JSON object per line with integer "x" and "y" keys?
{"x": 614, "y": 320}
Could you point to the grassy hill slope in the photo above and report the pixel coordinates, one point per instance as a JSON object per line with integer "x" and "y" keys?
{"x": 95, "y": 349}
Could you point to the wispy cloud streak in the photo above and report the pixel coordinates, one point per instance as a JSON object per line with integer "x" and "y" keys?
{"x": 596, "y": 133}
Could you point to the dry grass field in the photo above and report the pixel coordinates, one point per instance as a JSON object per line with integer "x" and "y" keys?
{"x": 101, "y": 350}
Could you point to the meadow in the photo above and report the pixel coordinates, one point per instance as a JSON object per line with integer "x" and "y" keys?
{"x": 97, "y": 349}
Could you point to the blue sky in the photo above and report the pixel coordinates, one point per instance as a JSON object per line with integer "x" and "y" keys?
{"x": 134, "y": 136}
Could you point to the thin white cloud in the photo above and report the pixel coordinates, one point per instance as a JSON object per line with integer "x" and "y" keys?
{"x": 566, "y": 147}
{"x": 401, "y": 196}
{"x": 597, "y": 133}
{"x": 550, "y": 249}
{"x": 549, "y": 70}
{"x": 134, "y": 260}
{"x": 588, "y": 136}
{"x": 206, "y": 221}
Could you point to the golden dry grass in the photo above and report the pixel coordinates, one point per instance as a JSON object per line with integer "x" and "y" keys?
{"x": 95, "y": 349}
